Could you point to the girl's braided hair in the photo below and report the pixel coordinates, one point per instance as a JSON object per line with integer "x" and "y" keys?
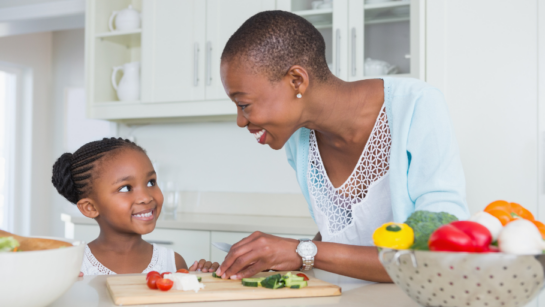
{"x": 72, "y": 172}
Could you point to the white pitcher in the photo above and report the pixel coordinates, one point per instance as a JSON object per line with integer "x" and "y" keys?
{"x": 129, "y": 86}
{"x": 126, "y": 20}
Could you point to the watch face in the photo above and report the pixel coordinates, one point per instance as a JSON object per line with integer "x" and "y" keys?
{"x": 307, "y": 249}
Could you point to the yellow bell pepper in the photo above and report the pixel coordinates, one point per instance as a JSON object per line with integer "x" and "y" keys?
{"x": 394, "y": 235}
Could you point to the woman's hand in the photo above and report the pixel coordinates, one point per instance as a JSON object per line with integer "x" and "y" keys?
{"x": 204, "y": 266}
{"x": 260, "y": 252}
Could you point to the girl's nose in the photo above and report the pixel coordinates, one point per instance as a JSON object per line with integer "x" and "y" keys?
{"x": 241, "y": 120}
{"x": 143, "y": 196}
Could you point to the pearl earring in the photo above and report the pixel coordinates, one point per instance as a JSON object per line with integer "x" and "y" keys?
{"x": 299, "y": 95}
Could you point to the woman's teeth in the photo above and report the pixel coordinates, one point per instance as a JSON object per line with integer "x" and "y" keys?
{"x": 259, "y": 134}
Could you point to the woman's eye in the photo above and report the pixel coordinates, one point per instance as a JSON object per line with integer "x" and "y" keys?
{"x": 242, "y": 107}
{"x": 125, "y": 188}
{"x": 152, "y": 183}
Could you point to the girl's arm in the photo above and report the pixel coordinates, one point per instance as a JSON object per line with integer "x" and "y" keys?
{"x": 261, "y": 251}
{"x": 180, "y": 262}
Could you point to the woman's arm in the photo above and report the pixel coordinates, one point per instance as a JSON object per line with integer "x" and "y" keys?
{"x": 317, "y": 237}
{"x": 262, "y": 251}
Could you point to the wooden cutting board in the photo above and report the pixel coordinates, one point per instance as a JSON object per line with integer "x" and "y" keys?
{"x": 133, "y": 290}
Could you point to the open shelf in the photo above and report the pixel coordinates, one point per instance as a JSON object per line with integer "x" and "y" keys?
{"x": 385, "y": 5}
{"x": 314, "y": 12}
{"x": 395, "y": 11}
{"x": 118, "y": 33}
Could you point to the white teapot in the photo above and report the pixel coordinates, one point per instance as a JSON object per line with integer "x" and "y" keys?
{"x": 129, "y": 86}
{"x": 127, "y": 19}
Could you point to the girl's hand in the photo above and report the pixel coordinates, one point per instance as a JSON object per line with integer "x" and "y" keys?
{"x": 204, "y": 266}
{"x": 260, "y": 252}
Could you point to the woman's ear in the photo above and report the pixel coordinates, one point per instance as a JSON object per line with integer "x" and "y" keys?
{"x": 298, "y": 79}
{"x": 87, "y": 208}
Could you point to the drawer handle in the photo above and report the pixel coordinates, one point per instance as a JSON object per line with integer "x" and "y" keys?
{"x": 160, "y": 242}
{"x": 196, "y": 64}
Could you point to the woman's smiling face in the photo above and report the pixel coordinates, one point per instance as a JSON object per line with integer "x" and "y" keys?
{"x": 126, "y": 192}
{"x": 270, "y": 110}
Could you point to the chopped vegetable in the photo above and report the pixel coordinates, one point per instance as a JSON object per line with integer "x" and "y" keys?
{"x": 8, "y": 244}
{"x": 489, "y": 221}
{"x": 182, "y": 271}
{"x": 152, "y": 273}
{"x": 298, "y": 284}
{"x": 252, "y": 282}
{"x": 394, "y": 235}
{"x": 305, "y": 278}
{"x": 521, "y": 237}
{"x": 507, "y": 212}
{"x": 461, "y": 236}
{"x": 185, "y": 282}
{"x": 215, "y": 275}
{"x": 199, "y": 279}
{"x": 152, "y": 281}
{"x": 273, "y": 282}
{"x": 424, "y": 223}
{"x": 164, "y": 284}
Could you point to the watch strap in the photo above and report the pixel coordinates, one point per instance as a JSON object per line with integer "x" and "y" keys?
{"x": 308, "y": 264}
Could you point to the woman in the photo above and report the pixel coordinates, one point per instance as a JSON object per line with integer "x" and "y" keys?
{"x": 365, "y": 152}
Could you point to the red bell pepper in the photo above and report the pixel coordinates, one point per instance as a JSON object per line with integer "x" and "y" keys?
{"x": 461, "y": 236}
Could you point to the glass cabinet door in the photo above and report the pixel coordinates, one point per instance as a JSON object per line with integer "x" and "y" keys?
{"x": 330, "y": 18}
{"x": 383, "y": 38}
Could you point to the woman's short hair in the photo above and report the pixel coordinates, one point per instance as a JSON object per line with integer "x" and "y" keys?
{"x": 274, "y": 41}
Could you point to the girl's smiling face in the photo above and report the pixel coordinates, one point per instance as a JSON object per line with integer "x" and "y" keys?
{"x": 125, "y": 192}
{"x": 269, "y": 110}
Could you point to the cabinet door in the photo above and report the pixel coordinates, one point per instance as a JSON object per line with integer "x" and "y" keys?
{"x": 86, "y": 233}
{"x": 173, "y": 38}
{"x": 223, "y": 18}
{"x": 190, "y": 244}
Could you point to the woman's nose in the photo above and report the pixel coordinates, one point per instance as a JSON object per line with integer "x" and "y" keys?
{"x": 241, "y": 120}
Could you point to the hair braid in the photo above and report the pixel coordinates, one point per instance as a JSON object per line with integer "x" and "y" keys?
{"x": 72, "y": 173}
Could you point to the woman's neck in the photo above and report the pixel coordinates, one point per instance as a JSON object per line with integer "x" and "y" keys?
{"x": 338, "y": 110}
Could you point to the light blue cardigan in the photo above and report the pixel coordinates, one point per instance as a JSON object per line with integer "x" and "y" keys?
{"x": 425, "y": 168}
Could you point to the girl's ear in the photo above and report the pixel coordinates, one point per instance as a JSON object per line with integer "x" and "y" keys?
{"x": 87, "y": 208}
{"x": 298, "y": 79}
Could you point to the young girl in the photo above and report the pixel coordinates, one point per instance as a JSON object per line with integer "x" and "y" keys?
{"x": 113, "y": 182}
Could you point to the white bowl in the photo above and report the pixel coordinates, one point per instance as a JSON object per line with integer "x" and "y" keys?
{"x": 466, "y": 279}
{"x": 37, "y": 278}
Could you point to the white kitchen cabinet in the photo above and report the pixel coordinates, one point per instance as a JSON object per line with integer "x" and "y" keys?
{"x": 173, "y": 42}
{"x": 223, "y": 18}
{"x": 233, "y": 237}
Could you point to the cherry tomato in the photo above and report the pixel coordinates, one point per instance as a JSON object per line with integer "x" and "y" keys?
{"x": 164, "y": 284}
{"x": 164, "y": 273}
{"x": 152, "y": 273}
{"x": 303, "y": 275}
{"x": 182, "y": 271}
{"x": 152, "y": 281}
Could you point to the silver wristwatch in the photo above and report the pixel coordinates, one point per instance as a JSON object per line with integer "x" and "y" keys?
{"x": 307, "y": 250}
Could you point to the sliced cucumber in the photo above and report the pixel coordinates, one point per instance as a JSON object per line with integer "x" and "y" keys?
{"x": 272, "y": 282}
{"x": 297, "y": 284}
{"x": 199, "y": 279}
{"x": 252, "y": 282}
{"x": 215, "y": 275}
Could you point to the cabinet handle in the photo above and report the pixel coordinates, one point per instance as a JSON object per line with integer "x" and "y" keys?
{"x": 209, "y": 63}
{"x": 160, "y": 242}
{"x": 196, "y": 64}
{"x": 353, "y": 52}
{"x": 338, "y": 53}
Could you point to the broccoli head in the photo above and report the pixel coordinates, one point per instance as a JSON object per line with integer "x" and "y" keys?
{"x": 424, "y": 223}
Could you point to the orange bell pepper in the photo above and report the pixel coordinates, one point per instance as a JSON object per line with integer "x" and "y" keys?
{"x": 507, "y": 212}
{"x": 541, "y": 227}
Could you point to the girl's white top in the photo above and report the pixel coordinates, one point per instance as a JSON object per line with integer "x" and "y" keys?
{"x": 350, "y": 213}
{"x": 162, "y": 260}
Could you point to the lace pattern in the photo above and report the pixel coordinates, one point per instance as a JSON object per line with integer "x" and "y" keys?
{"x": 337, "y": 203}
{"x": 162, "y": 260}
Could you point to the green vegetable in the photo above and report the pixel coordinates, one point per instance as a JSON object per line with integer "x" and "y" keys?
{"x": 273, "y": 282}
{"x": 7, "y": 244}
{"x": 199, "y": 279}
{"x": 424, "y": 223}
{"x": 252, "y": 282}
{"x": 215, "y": 275}
{"x": 298, "y": 284}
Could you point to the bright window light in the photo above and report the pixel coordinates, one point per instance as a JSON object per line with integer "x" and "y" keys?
{"x": 7, "y": 91}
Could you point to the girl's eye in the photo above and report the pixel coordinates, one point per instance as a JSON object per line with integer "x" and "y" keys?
{"x": 125, "y": 189}
{"x": 152, "y": 183}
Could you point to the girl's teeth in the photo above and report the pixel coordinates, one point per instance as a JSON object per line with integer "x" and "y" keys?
{"x": 144, "y": 214}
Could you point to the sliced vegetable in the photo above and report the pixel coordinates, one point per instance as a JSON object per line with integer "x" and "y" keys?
{"x": 152, "y": 281}
{"x": 199, "y": 279}
{"x": 182, "y": 271}
{"x": 8, "y": 244}
{"x": 424, "y": 223}
{"x": 507, "y": 212}
{"x": 297, "y": 284}
{"x": 489, "y": 221}
{"x": 521, "y": 237}
{"x": 273, "y": 282}
{"x": 252, "y": 282}
{"x": 394, "y": 235}
{"x": 461, "y": 236}
{"x": 164, "y": 284}
{"x": 152, "y": 273}
{"x": 305, "y": 278}
{"x": 215, "y": 275}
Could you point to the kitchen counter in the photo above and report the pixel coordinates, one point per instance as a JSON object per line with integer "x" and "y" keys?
{"x": 91, "y": 291}
{"x": 225, "y": 222}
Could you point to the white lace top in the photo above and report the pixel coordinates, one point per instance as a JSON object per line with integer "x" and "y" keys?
{"x": 350, "y": 213}
{"x": 162, "y": 260}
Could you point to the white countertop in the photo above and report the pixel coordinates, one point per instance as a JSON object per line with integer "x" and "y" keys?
{"x": 91, "y": 291}
{"x": 226, "y": 222}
